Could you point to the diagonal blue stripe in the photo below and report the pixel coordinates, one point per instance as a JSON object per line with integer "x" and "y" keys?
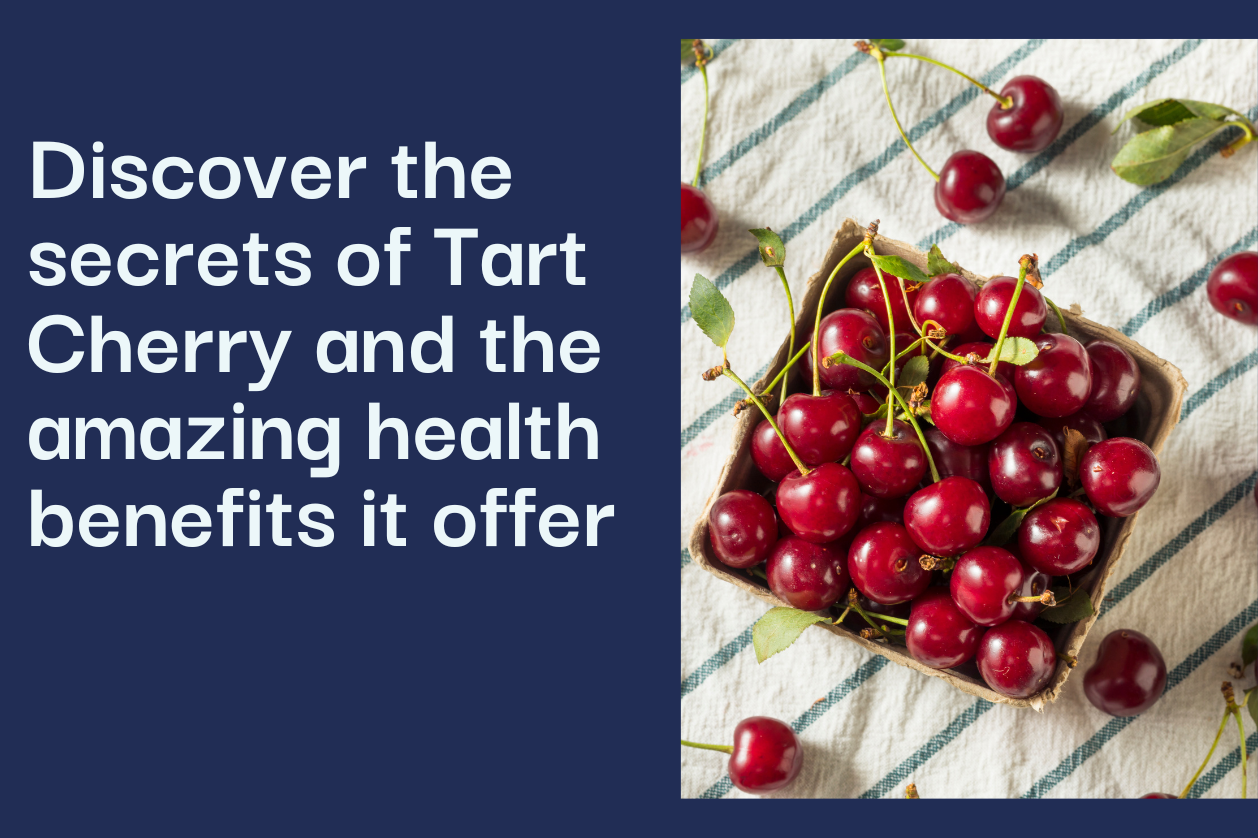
{"x": 723, "y": 656}
{"x": 717, "y": 410}
{"x": 685, "y": 557}
{"x": 933, "y": 746}
{"x": 1217, "y": 383}
{"x": 1224, "y": 766}
{"x": 1181, "y": 291}
{"x": 718, "y": 47}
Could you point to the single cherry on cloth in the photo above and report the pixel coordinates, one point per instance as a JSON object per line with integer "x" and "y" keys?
{"x": 939, "y": 634}
{"x": 1129, "y": 674}
{"x": 971, "y": 407}
{"x": 888, "y": 467}
{"x": 993, "y": 301}
{"x": 1024, "y": 464}
{"x": 1034, "y": 583}
{"x": 948, "y": 517}
{"x": 970, "y": 187}
{"x": 742, "y": 528}
{"x": 1233, "y": 287}
{"x": 982, "y": 349}
{"x": 1033, "y": 121}
{"x": 699, "y": 221}
{"x": 1119, "y": 476}
{"x": 821, "y": 505}
{"x": 1058, "y": 381}
{"x": 857, "y": 334}
{"x": 953, "y": 460}
{"x": 948, "y": 299}
{"x": 1016, "y": 659}
{"x": 883, "y": 563}
{"x": 1059, "y": 538}
{"x": 876, "y": 510}
{"x": 984, "y": 584}
{"x": 765, "y": 756}
{"x": 1091, "y": 429}
{"x": 822, "y": 428}
{"x": 1160, "y": 795}
{"x": 808, "y": 576}
{"x": 769, "y": 454}
{"x": 1115, "y": 380}
{"x": 864, "y": 292}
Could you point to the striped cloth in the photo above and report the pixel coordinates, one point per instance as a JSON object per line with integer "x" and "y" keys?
{"x": 799, "y": 138}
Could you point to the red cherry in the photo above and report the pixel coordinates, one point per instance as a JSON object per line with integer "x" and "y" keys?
{"x": 1059, "y": 380}
{"x": 1059, "y": 538}
{"x": 1119, "y": 476}
{"x": 1091, "y": 429}
{"x": 809, "y": 576}
{"x": 883, "y": 563}
{"x": 939, "y": 634}
{"x": 875, "y": 510}
{"x": 1034, "y": 120}
{"x": 699, "y": 221}
{"x": 1160, "y": 795}
{"x": 821, "y": 505}
{"x": 768, "y": 452}
{"x": 948, "y": 299}
{"x": 767, "y": 755}
{"x": 1233, "y": 287}
{"x": 948, "y": 517}
{"x": 822, "y": 428}
{"x": 1016, "y": 659}
{"x": 953, "y": 460}
{"x": 1115, "y": 380}
{"x": 970, "y": 187}
{"x": 1034, "y": 583}
{"x": 888, "y": 467}
{"x": 742, "y": 528}
{"x": 864, "y": 292}
{"x": 1129, "y": 675}
{"x": 857, "y": 334}
{"x": 866, "y": 403}
{"x": 993, "y": 301}
{"x": 1024, "y": 464}
{"x": 971, "y": 407}
{"x": 984, "y": 584}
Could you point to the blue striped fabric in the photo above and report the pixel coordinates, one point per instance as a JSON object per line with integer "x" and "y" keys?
{"x": 1209, "y": 779}
{"x": 688, "y": 71}
{"x": 717, "y": 410}
{"x": 712, "y": 664}
{"x": 1217, "y": 383}
{"x": 933, "y": 746}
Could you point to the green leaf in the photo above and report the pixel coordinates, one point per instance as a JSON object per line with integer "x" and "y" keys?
{"x": 1249, "y": 646}
{"x": 936, "y": 264}
{"x": 772, "y": 249}
{"x": 923, "y": 412}
{"x": 896, "y": 266}
{"x": 1015, "y": 350}
{"x": 1253, "y": 705}
{"x": 1073, "y": 608}
{"x": 712, "y": 312}
{"x": 687, "y": 50}
{"x": 887, "y": 44}
{"x": 914, "y": 372}
{"x": 1153, "y": 156}
{"x": 1005, "y": 529}
{"x": 778, "y": 629}
{"x": 1170, "y": 111}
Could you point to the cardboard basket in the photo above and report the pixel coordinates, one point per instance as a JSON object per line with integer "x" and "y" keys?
{"x": 1155, "y": 413}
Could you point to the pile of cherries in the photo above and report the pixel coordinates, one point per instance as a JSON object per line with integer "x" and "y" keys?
{"x": 868, "y": 511}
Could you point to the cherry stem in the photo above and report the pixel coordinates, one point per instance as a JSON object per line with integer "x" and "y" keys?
{"x": 799, "y": 464}
{"x": 904, "y": 295}
{"x": 903, "y": 353}
{"x": 1246, "y": 126}
{"x": 939, "y": 350}
{"x": 882, "y": 70}
{"x": 1240, "y": 728}
{"x": 886, "y": 298}
{"x": 790, "y": 310}
{"x": 703, "y": 130}
{"x": 1060, "y": 319}
{"x": 786, "y": 369}
{"x": 1184, "y": 794}
{"x": 1013, "y": 302}
{"x": 1006, "y": 102}
{"x": 821, "y": 304}
{"x": 725, "y": 749}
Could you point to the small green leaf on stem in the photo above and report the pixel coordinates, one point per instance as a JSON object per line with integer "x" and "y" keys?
{"x": 936, "y": 264}
{"x": 1152, "y": 156}
{"x": 778, "y": 629}
{"x": 880, "y": 413}
{"x": 896, "y": 266}
{"x": 1170, "y": 111}
{"x": 1015, "y": 350}
{"x": 1071, "y": 607}
{"x": 887, "y": 44}
{"x": 1006, "y": 528}
{"x": 772, "y": 250}
{"x": 1249, "y": 646}
{"x": 914, "y": 372}
{"x": 712, "y": 312}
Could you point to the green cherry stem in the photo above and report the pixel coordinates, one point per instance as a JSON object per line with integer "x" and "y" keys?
{"x": 1184, "y": 794}
{"x": 1246, "y": 126}
{"x": 821, "y": 304}
{"x": 1023, "y": 263}
{"x": 786, "y": 369}
{"x": 1006, "y": 102}
{"x": 799, "y": 464}
{"x": 1240, "y": 728}
{"x": 1060, "y": 319}
{"x": 904, "y": 352}
{"x": 702, "y": 62}
{"x": 882, "y": 71}
{"x": 886, "y": 298}
{"x": 790, "y": 310}
{"x": 725, "y": 749}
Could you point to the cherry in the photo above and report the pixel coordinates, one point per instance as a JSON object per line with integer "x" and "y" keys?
{"x": 1119, "y": 476}
{"x": 858, "y": 334}
{"x": 1233, "y": 287}
{"x": 1024, "y": 464}
{"x": 699, "y": 221}
{"x": 864, "y": 292}
{"x": 809, "y": 576}
{"x": 864, "y": 402}
{"x": 875, "y": 510}
{"x": 1059, "y": 538}
{"x": 888, "y": 467}
{"x": 822, "y": 428}
{"x": 769, "y": 453}
{"x": 767, "y": 755}
{"x": 742, "y": 528}
{"x": 883, "y": 564}
{"x": 1160, "y": 795}
{"x": 1129, "y": 674}
{"x": 948, "y": 299}
{"x": 1058, "y": 381}
{"x": 993, "y": 301}
{"x": 984, "y": 584}
{"x": 971, "y": 407}
{"x": 956, "y": 460}
{"x": 948, "y": 517}
{"x": 939, "y": 634}
{"x": 1091, "y": 429}
{"x": 982, "y": 349}
{"x": 1034, "y": 583}
{"x": 821, "y": 505}
{"x": 970, "y": 187}
{"x": 1115, "y": 380}
{"x": 1032, "y": 122}
{"x": 1016, "y": 659}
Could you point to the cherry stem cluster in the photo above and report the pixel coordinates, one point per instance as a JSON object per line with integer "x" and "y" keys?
{"x": 854, "y": 604}
{"x": 882, "y": 71}
{"x": 768, "y": 390}
{"x": 799, "y": 464}
{"x": 821, "y": 305}
{"x": 1006, "y": 102}
{"x": 1023, "y": 264}
{"x": 1232, "y": 709}
{"x": 886, "y": 298}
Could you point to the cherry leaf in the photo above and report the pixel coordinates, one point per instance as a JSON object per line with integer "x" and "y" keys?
{"x": 772, "y": 249}
{"x": 712, "y": 312}
{"x": 1152, "y": 156}
{"x": 1005, "y": 530}
{"x": 896, "y": 266}
{"x": 1076, "y": 445}
{"x": 1253, "y": 705}
{"x": 1015, "y": 350}
{"x": 1249, "y": 646}
{"x": 880, "y": 413}
{"x": 936, "y": 264}
{"x": 887, "y": 45}
{"x": 1073, "y": 606}
{"x": 778, "y": 629}
{"x": 1170, "y": 111}
{"x": 914, "y": 372}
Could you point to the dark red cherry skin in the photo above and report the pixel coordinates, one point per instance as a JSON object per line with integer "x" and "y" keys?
{"x": 768, "y": 452}
{"x": 993, "y": 301}
{"x": 953, "y": 460}
{"x": 699, "y": 221}
{"x": 970, "y": 187}
{"x": 938, "y": 634}
{"x": 821, "y": 505}
{"x": 1115, "y": 380}
{"x": 808, "y": 576}
{"x": 1058, "y": 381}
{"x": 864, "y": 292}
{"x": 1091, "y": 429}
{"x": 971, "y": 407}
{"x": 888, "y": 467}
{"x": 883, "y": 564}
{"x": 948, "y": 517}
{"x": 982, "y": 349}
{"x": 1233, "y": 287}
{"x": 1034, "y": 583}
{"x": 1034, "y": 120}
{"x": 858, "y": 334}
{"x": 1129, "y": 675}
{"x": 822, "y": 428}
{"x": 1160, "y": 795}
{"x": 1016, "y": 659}
{"x": 1119, "y": 476}
{"x": 865, "y": 403}
{"x": 767, "y": 755}
{"x": 1059, "y": 538}
{"x": 1024, "y": 464}
{"x": 875, "y": 510}
{"x": 948, "y": 299}
{"x": 984, "y": 583}
{"x": 742, "y": 528}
